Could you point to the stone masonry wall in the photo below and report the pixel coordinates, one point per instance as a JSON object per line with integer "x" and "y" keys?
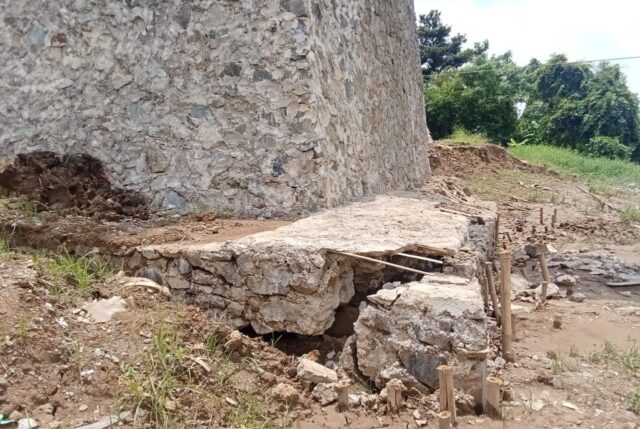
{"x": 251, "y": 107}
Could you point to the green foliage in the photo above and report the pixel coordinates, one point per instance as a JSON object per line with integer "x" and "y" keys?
{"x": 572, "y": 103}
{"x": 439, "y": 50}
{"x": 634, "y": 401}
{"x": 608, "y": 147}
{"x": 593, "y": 169}
{"x": 478, "y": 98}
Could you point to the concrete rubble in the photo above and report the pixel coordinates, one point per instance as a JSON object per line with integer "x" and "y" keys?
{"x": 405, "y": 325}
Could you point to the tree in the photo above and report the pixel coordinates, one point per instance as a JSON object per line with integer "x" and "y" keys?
{"x": 438, "y": 50}
{"x": 480, "y": 98}
{"x": 575, "y": 105}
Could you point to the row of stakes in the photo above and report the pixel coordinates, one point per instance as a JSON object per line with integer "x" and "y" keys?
{"x": 495, "y": 391}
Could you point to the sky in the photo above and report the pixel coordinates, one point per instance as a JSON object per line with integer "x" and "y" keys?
{"x": 583, "y": 30}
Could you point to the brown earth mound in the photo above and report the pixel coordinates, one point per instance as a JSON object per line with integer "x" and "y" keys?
{"x": 75, "y": 183}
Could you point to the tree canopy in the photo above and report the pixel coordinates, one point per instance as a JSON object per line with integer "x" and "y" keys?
{"x": 573, "y": 104}
{"x": 439, "y": 50}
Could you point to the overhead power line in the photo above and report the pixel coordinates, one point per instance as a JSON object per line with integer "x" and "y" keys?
{"x": 463, "y": 71}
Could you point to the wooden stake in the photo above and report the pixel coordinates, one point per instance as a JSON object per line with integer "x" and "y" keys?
{"x": 542, "y": 258}
{"x": 543, "y": 294}
{"x": 394, "y": 394}
{"x": 507, "y": 394}
{"x": 493, "y": 393}
{"x": 557, "y": 321}
{"x": 488, "y": 269}
{"x": 541, "y": 215}
{"x": 366, "y": 258}
{"x": 505, "y": 306}
{"x": 447, "y": 399}
{"x": 342, "y": 389}
{"x": 514, "y": 327}
{"x": 496, "y": 232}
{"x": 554, "y": 218}
{"x": 444, "y": 420}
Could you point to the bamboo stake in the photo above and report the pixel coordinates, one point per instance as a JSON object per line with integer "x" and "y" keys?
{"x": 543, "y": 294}
{"x": 447, "y": 400}
{"x": 421, "y": 258}
{"x": 505, "y": 306}
{"x": 542, "y": 258}
{"x": 554, "y": 218}
{"x": 496, "y": 232}
{"x": 342, "y": 389}
{"x": 507, "y": 394}
{"x": 541, "y": 215}
{"x": 557, "y": 321}
{"x": 488, "y": 269}
{"x": 514, "y": 327}
{"x": 366, "y": 258}
{"x": 492, "y": 405}
{"x": 395, "y": 388}
{"x": 444, "y": 420}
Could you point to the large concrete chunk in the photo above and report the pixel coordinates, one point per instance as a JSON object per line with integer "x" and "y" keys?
{"x": 432, "y": 322}
{"x": 271, "y": 279}
{"x": 254, "y": 108}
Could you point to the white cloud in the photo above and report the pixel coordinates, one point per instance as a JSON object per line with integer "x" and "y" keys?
{"x": 583, "y": 30}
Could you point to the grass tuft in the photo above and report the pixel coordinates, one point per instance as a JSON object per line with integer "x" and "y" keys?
{"x": 634, "y": 401}
{"x": 630, "y": 214}
{"x": 560, "y": 365}
{"x": 69, "y": 275}
{"x": 460, "y": 135}
{"x": 609, "y": 354}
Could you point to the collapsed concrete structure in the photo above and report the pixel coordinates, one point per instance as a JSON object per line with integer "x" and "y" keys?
{"x": 309, "y": 277}
{"x": 253, "y": 108}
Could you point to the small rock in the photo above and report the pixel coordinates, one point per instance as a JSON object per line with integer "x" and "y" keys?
{"x": 325, "y": 393}
{"x": 285, "y": 393}
{"x": 535, "y": 250}
{"x": 83, "y": 407}
{"x": 577, "y": 297}
{"x": 55, "y": 424}
{"x": 3, "y": 384}
{"x": 570, "y": 406}
{"x": 566, "y": 280}
{"x": 499, "y": 361}
{"x": 626, "y": 293}
{"x": 536, "y": 405}
{"x": 231, "y": 401}
{"x": 315, "y": 373}
{"x": 27, "y": 424}
{"x": 15, "y": 416}
{"x": 45, "y": 409}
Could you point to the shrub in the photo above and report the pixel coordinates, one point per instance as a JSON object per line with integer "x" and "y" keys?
{"x": 609, "y": 147}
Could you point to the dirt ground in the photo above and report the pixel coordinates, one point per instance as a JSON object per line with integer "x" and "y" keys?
{"x": 163, "y": 360}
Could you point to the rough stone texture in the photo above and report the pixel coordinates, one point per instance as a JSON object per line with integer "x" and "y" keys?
{"x": 313, "y": 372}
{"x": 269, "y": 279}
{"x": 439, "y": 320}
{"x": 255, "y": 107}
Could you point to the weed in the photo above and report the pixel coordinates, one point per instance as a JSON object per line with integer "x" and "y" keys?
{"x": 212, "y": 344}
{"x": 74, "y": 348}
{"x": 71, "y": 275}
{"x": 560, "y": 365}
{"x": 22, "y": 330}
{"x": 5, "y": 248}
{"x": 250, "y": 413}
{"x": 630, "y": 214}
{"x": 602, "y": 189}
{"x": 628, "y": 359}
{"x": 274, "y": 340}
{"x": 634, "y": 401}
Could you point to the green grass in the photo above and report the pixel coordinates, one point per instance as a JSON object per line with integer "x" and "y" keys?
{"x": 609, "y": 354}
{"x": 630, "y": 214}
{"x": 634, "y": 401}
{"x": 5, "y": 248}
{"x": 560, "y": 365}
{"x": 600, "y": 173}
{"x": 461, "y": 135}
{"x": 68, "y": 275}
